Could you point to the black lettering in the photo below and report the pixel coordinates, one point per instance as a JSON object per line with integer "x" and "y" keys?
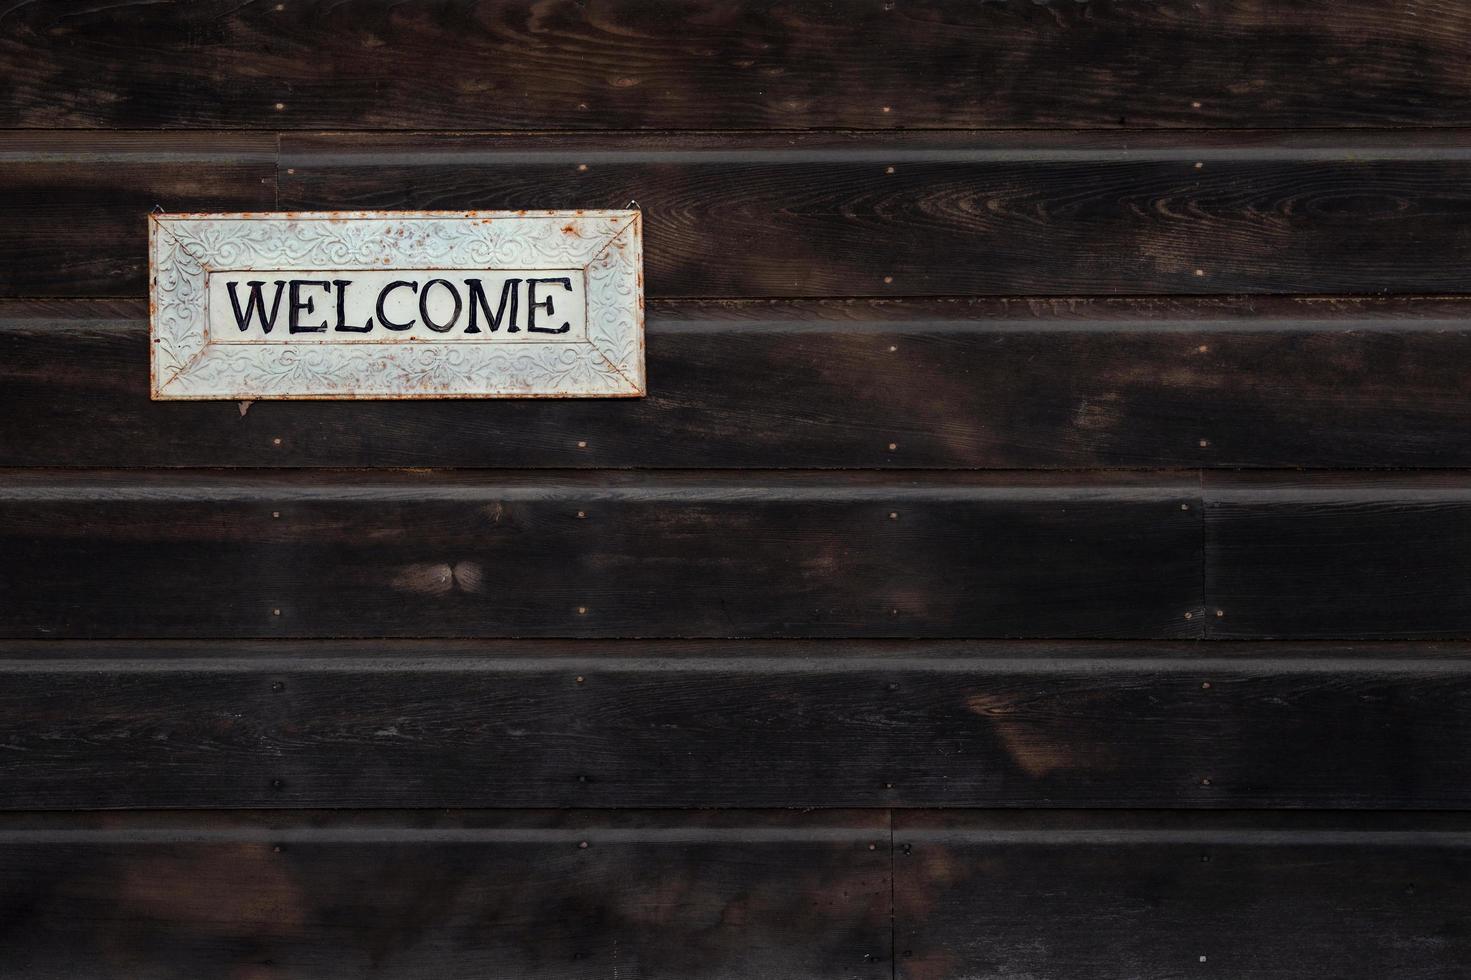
{"x": 532, "y": 304}
{"x": 424, "y": 306}
{"x": 383, "y": 297}
{"x": 298, "y": 305}
{"x": 477, "y": 300}
{"x": 342, "y": 325}
{"x": 255, "y": 305}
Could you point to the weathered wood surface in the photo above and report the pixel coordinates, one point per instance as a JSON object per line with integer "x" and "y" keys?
{"x": 73, "y": 207}
{"x": 514, "y": 64}
{"x": 732, "y": 724}
{"x": 888, "y": 243}
{"x": 272, "y": 554}
{"x": 96, "y": 554}
{"x": 962, "y": 213}
{"x": 560, "y": 896}
{"x": 755, "y": 893}
{"x": 954, "y": 384}
{"x": 1169, "y": 895}
{"x": 834, "y": 214}
{"x": 1380, "y": 555}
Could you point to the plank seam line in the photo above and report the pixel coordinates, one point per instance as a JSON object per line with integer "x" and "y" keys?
{"x": 679, "y": 321}
{"x": 1252, "y": 837}
{"x": 899, "y": 299}
{"x": 765, "y": 666}
{"x": 432, "y": 835}
{"x": 895, "y": 300}
{"x": 1265, "y": 837}
{"x": 314, "y": 166}
{"x": 604, "y": 133}
{"x": 893, "y": 910}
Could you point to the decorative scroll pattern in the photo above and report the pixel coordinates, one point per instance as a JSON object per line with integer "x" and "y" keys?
{"x": 606, "y": 244}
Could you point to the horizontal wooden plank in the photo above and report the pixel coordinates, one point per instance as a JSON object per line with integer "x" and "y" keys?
{"x": 957, "y": 214}
{"x": 1341, "y": 555}
{"x": 816, "y": 384}
{"x": 582, "y": 723}
{"x": 73, "y": 207}
{"x": 712, "y": 894}
{"x": 446, "y": 895}
{"x": 743, "y": 65}
{"x": 873, "y": 215}
{"x": 211, "y": 554}
{"x": 730, "y": 554}
{"x": 1156, "y": 896}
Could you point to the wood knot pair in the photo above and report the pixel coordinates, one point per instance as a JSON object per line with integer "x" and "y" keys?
{"x": 438, "y": 578}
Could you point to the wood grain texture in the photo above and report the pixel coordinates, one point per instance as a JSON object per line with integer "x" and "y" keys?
{"x": 1169, "y": 895}
{"x": 835, "y": 214}
{"x": 820, "y": 214}
{"x": 201, "y": 554}
{"x": 612, "y": 64}
{"x": 1136, "y": 383}
{"x": 421, "y": 894}
{"x": 732, "y": 724}
{"x": 1343, "y": 555}
{"x": 73, "y": 207}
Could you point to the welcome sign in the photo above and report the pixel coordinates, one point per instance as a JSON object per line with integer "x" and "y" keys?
{"x": 397, "y": 305}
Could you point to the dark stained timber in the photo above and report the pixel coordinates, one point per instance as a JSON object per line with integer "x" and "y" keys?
{"x": 583, "y": 723}
{"x": 542, "y": 896}
{"x": 1056, "y": 451}
{"x": 515, "y": 64}
{"x": 200, "y": 554}
{"x": 957, "y": 213}
{"x": 812, "y": 215}
{"x": 1169, "y": 895}
{"x": 1339, "y": 555}
{"x": 73, "y": 207}
{"x": 1136, "y": 383}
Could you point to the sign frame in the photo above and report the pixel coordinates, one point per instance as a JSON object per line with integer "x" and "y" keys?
{"x": 188, "y": 363}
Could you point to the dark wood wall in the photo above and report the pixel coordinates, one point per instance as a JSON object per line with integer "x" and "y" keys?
{"x": 1044, "y": 552}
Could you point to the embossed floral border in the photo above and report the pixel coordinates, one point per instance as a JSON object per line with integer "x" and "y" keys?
{"x": 608, "y": 245}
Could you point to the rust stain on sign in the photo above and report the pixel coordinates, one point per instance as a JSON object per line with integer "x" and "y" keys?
{"x": 423, "y": 304}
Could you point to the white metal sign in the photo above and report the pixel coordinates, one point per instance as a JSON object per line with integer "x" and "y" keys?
{"x": 420, "y": 304}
